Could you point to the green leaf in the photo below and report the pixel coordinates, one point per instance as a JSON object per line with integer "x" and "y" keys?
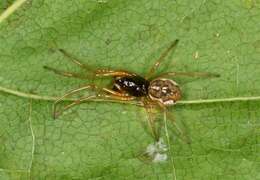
{"x": 103, "y": 140}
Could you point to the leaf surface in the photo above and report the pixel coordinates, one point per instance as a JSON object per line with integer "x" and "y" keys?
{"x": 102, "y": 140}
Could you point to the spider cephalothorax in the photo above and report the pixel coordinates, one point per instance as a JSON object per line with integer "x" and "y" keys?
{"x": 164, "y": 91}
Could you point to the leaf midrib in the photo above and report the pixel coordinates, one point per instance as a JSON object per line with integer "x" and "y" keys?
{"x": 183, "y": 102}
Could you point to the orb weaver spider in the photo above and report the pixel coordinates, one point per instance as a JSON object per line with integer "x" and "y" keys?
{"x": 151, "y": 91}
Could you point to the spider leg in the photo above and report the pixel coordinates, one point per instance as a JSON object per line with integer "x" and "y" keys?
{"x": 99, "y": 72}
{"x": 182, "y": 132}
{"x": 65, "y": 73}
{"x": 115, "y": 93}
{"x": 112, "y": 95}
{"x": 105, "y": 72}
{"x": 75, "y": 60}
{"x": 161, "y": 58}
{"x": 189, "y": 74}
{"x": 151, "y": 119}
{"x": 79, "y": 101}
{"x": 74, "y": 91}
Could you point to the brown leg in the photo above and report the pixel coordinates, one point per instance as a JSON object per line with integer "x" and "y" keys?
{"x": 170, "y": 117}
{"x": 111, "y": 96}
{"x": 79, "y": 101}
{"x": 116, "y": 93}
{"x": 69, "y": 94}
{"x": 105, "y": 72}
{"x": 120, "y": 98}
{"x": 75, "y": 60}
{"x": 151, "y": 120}
{"x": 161, "y": 58}
{"x": 190, "y": 74}
{"x": 65, "y": 73}
{"x": 97, "y": 73}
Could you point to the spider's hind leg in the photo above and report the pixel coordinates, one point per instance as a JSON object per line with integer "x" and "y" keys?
{"x": 72, "y": 92}
{"x": 103, "y": 93}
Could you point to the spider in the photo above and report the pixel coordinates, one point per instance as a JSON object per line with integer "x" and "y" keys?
{"x": 151, "y": 91}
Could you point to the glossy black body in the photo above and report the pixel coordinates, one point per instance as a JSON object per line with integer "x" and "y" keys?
{"x": 134, "y": 85}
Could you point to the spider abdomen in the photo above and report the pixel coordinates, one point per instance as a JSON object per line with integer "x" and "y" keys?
{"x": 133, "y": 85}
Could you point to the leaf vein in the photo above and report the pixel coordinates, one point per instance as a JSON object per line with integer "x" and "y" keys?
{"x": 184, "y": 102}
{"x": 10, "y": 10}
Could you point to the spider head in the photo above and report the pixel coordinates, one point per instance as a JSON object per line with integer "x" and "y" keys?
{"x": 165, "y": 91}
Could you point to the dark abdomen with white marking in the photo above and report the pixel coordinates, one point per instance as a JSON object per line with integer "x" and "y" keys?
{"x": 133, "y": 85}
